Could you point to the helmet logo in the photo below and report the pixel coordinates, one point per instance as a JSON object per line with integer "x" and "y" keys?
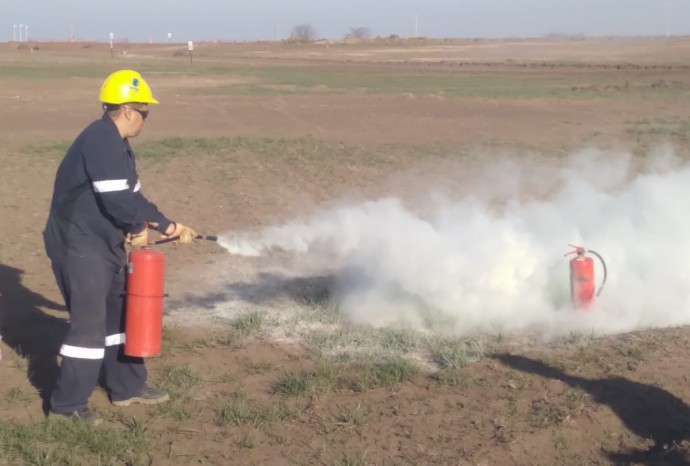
{"x": 135, "y": 85}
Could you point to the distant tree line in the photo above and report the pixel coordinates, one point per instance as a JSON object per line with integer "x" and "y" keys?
{"x": 359, "y": 33}
{"x": 303, "y": 33}
{"x": 306, "y": 33}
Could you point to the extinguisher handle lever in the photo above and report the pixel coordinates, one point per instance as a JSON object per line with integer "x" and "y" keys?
{"x": 578, "y": 250}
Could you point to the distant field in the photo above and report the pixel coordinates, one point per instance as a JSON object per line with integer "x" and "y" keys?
{"x": 262, "y": 365}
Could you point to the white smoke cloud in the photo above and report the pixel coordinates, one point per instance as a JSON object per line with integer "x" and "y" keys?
{"x": 488, "y": 257}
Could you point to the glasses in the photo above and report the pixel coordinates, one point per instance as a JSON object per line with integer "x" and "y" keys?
{"x": 143, "y": 113}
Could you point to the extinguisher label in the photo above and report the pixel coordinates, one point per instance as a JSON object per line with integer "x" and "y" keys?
{"x": 130, "y": 267}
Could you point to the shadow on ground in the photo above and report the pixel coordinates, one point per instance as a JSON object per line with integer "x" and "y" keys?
{"x": 29, "y": 331}
{"x": 648, "y": 411}
{"x": 266, "y": 288}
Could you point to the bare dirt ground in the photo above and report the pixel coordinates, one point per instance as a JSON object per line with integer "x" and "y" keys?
{"x": 614, "y": 400}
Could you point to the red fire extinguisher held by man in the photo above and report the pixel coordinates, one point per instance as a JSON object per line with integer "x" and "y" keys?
{"x": 144, "y": 304}
{"x": 582, "y": 286}
{"x": 144, "y": 301}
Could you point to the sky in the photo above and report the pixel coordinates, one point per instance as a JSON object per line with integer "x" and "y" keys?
{"x": 145, "y": 20}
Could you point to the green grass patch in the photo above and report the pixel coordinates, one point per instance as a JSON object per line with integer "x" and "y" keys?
{"x": 174, "y": 146}
{"x": 290, "y": 149}
{"x": 178, "y": 380}
{"x": 450, "y": 353}
{"x": 286, "y": 81}
{"x": 356, "y": 377}
{"x": 61, "y": 441}
{"x": 243, "y": 412}
{"x": 50, "y": 149}
{"x": 229, "y": 339}
{"x": 53, "y": 71}
{"x": 401, "y": 340}
{"x": 576, "y": 337}
{"x": 18, "y": 394}
{"x": 450, "y": 377}
{"x": 342, "y": 344}
{"x": 352, "y": 459}
{"x": 674, "y": 128}
{"x": 634, "y": 352}
{"x": 248, "y": 323}
{"x": 252, "y": 367}
{"x": 263, "y": 81}
{"x": 228, "y": 377}
{"x": 269, "y": 81}
{"x": 21, "y": 362}
{"x": 380, "y": 374}
{"x": 348, "y": 418}
{"x": 544, "y": 413}
{"x": 245, "y": 441}
{"x": 319, "y": 306}
{"x": 323, "y": 379}
{"x": 177, "y": 410}
{"x": 307, "y": 155}
{"x": 95, "y": 67}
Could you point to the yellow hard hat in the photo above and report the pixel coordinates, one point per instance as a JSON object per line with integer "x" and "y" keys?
{"x": 126, "y": 86}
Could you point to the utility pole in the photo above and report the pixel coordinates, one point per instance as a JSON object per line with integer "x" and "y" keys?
{"x": 14, "y": 33}
{"x": 26, "y": 33}
{"x": 20, "y": 32}
{"x": 275, "y": 30}
{"x": 416, "y": 26}
{"x": 668, "y": 18}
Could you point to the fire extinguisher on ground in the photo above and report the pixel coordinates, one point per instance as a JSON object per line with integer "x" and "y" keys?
{"x": 582, "y": 286}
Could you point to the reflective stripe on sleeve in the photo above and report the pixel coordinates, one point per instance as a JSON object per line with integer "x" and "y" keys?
{"x": 82, "y": 353}
{"x": 137, "y": 187}
{"x": 107, "y": 186}
{"x": 116, "y": 339}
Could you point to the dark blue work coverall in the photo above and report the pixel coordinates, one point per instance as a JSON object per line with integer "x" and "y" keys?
{"x": 96, "y": 201}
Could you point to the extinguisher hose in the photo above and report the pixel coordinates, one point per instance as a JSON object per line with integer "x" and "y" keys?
{"x": 175, "y": 238}
{"x": 603, "y": 264}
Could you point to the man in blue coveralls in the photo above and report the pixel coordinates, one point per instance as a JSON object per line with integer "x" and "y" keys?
{"x": 97, "y": 206}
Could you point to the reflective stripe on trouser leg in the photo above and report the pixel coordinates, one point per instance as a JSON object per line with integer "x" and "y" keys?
{"x": 124, "y": 376}
{"x": 86, "y": 283}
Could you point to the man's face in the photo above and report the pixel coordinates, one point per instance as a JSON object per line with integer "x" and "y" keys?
{"x": 136, "y": 115}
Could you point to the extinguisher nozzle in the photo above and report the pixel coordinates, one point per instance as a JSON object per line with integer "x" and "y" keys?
{"x": 175, "y": 238}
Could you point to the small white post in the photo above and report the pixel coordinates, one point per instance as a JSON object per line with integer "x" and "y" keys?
{"x": 14, "y": 33}
{"x": 26, "y": 33}
{"x": 112, "y": 37}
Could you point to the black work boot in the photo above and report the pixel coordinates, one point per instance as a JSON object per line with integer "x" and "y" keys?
{"x": 150, "y": 396}
{"x": 83, "y": 415}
